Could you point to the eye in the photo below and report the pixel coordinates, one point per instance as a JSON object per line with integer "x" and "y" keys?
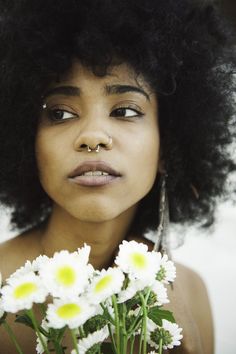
{"x": 58, "y": 115}
{"x": 126, "y": 112}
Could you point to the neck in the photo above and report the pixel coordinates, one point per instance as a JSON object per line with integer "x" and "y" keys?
{"x": 64, "y": 231}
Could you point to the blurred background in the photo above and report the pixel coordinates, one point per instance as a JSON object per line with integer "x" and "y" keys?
{"x": 212, "y": 255}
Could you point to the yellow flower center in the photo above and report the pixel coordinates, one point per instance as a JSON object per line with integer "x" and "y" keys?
{"x": 24, "y": 290}
{"x": 66, "y": 276}
{"x": 103, "y": 283}
{"x": 68, "y": 311}
{"x": 139, "y": 260}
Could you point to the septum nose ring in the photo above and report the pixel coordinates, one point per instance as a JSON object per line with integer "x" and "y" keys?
{"x": 97, "y": 147}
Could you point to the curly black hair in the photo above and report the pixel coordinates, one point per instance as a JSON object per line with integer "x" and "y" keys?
{"x": 182, "y": 48}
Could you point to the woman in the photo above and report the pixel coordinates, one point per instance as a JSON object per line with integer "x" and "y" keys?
{"x": 101, "y": 102}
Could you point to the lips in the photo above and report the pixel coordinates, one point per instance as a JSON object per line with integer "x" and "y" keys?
{"x": 92, "y": 166}
{"x": 94, "y": 174}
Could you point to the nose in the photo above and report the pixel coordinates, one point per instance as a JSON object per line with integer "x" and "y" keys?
{"x": 91, "y": 138}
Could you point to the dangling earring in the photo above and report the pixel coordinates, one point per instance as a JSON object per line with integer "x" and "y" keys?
{"x": 161, "y": 239}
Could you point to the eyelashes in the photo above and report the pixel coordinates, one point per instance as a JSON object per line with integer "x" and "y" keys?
{"x": 126, "y": 112}
{"x": 62, "y": 114}
{"x": 58, "y": 115}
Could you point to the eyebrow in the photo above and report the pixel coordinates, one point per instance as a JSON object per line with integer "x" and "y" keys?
{"x": 63, "y": 90}
{"x": 109, "y": 90}
{"x": 119, "y": 89}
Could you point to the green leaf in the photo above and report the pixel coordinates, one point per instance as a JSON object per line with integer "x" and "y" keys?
{"x": 106, "y": 348}
{"x": 157, "y": 315}
{"x": 133, "y": 302}
{"x": 94, "y": 349}
{"x": 24, "y": 319}
{"x": 95, "y": 323}
{"x": 2, "y": 319}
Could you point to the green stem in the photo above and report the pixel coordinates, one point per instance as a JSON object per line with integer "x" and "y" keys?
{"x": 160, "y": 346}
{"x": 135, "y": 324}
{"x": 113, "y": 343}
{"x": 58, "y": 347}
{"x": 117, "y": 323}
{"x": 140, "y": 342}
{"x": 132, "y": 344}
{"x": 107, "y": 312}
{"x": 56, "y": 337}
{"x": 31, "y": 315}
{"x": 73, "y": 336}
{"x": 124, "y": 332}
{"x": 81, "y": 332}
{"x": 12, "y": 336}
{"x": 61, "y": 334}
{"x": 144, "y": 324}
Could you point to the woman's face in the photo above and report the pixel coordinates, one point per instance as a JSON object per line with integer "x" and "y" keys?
{"x": 85, "y": 110}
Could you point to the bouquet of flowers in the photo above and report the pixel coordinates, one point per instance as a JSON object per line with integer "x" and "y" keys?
{"x": 113, "y": 310}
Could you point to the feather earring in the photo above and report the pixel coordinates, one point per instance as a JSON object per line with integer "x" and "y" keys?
{"x": 160, "y": 238}
{"x": 162, "y": 241}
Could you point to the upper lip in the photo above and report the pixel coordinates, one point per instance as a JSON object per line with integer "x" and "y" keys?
{"x": 93, "y": 166}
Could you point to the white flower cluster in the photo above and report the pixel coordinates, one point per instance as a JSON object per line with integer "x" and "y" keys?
{"x": 78, "y": 292}
{"x": 170, "y": 333}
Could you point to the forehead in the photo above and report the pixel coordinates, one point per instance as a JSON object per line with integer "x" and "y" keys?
{"x": 80, "y": 75}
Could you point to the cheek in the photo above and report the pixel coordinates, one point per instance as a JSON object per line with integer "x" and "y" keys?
{"x": 145, "y": 151}
{"x": 48, "y": 156}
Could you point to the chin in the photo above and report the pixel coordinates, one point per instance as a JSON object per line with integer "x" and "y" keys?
{"x": 95, "y": 215}
{"x": 93, "y": 212}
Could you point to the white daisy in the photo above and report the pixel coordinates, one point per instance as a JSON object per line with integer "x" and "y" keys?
{"x": 133, "y": 287}
{"x": 93, "y": 338}
{"x": 1, "y": 309}
{"x": 160, "y": 292}
{"x": 107, "y": 283}
{"x": 25, "y": 269}
{"x": 152, "y": 352}
{"x": 39, "y": 262}
{"x": 39, "y": 347}
{"x": 167, "y": 271}
{"x": 170, "y": 334}
{"x": 20, "y": 293}
{"x": 134, "y": 259}
{"x": 84, "y": 253}
{"x": 174, "y": 331}
{"x": 65, "y": 274}
{"x": 72, "y": 312}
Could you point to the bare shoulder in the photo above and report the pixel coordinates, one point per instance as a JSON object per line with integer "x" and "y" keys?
{"x": 194, "y": 286}
{"x": 196, "y": 313}
{"x": 195, "y": 290}
{"x": 15, "y": 252}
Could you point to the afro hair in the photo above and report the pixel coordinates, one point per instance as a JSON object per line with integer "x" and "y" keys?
{"x": 183, "y": 49}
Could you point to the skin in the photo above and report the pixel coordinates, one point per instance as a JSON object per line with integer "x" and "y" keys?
{"x": 101, "y": 216}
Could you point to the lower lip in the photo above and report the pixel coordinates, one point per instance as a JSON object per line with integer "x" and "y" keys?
{"x": 94, "y": 181}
